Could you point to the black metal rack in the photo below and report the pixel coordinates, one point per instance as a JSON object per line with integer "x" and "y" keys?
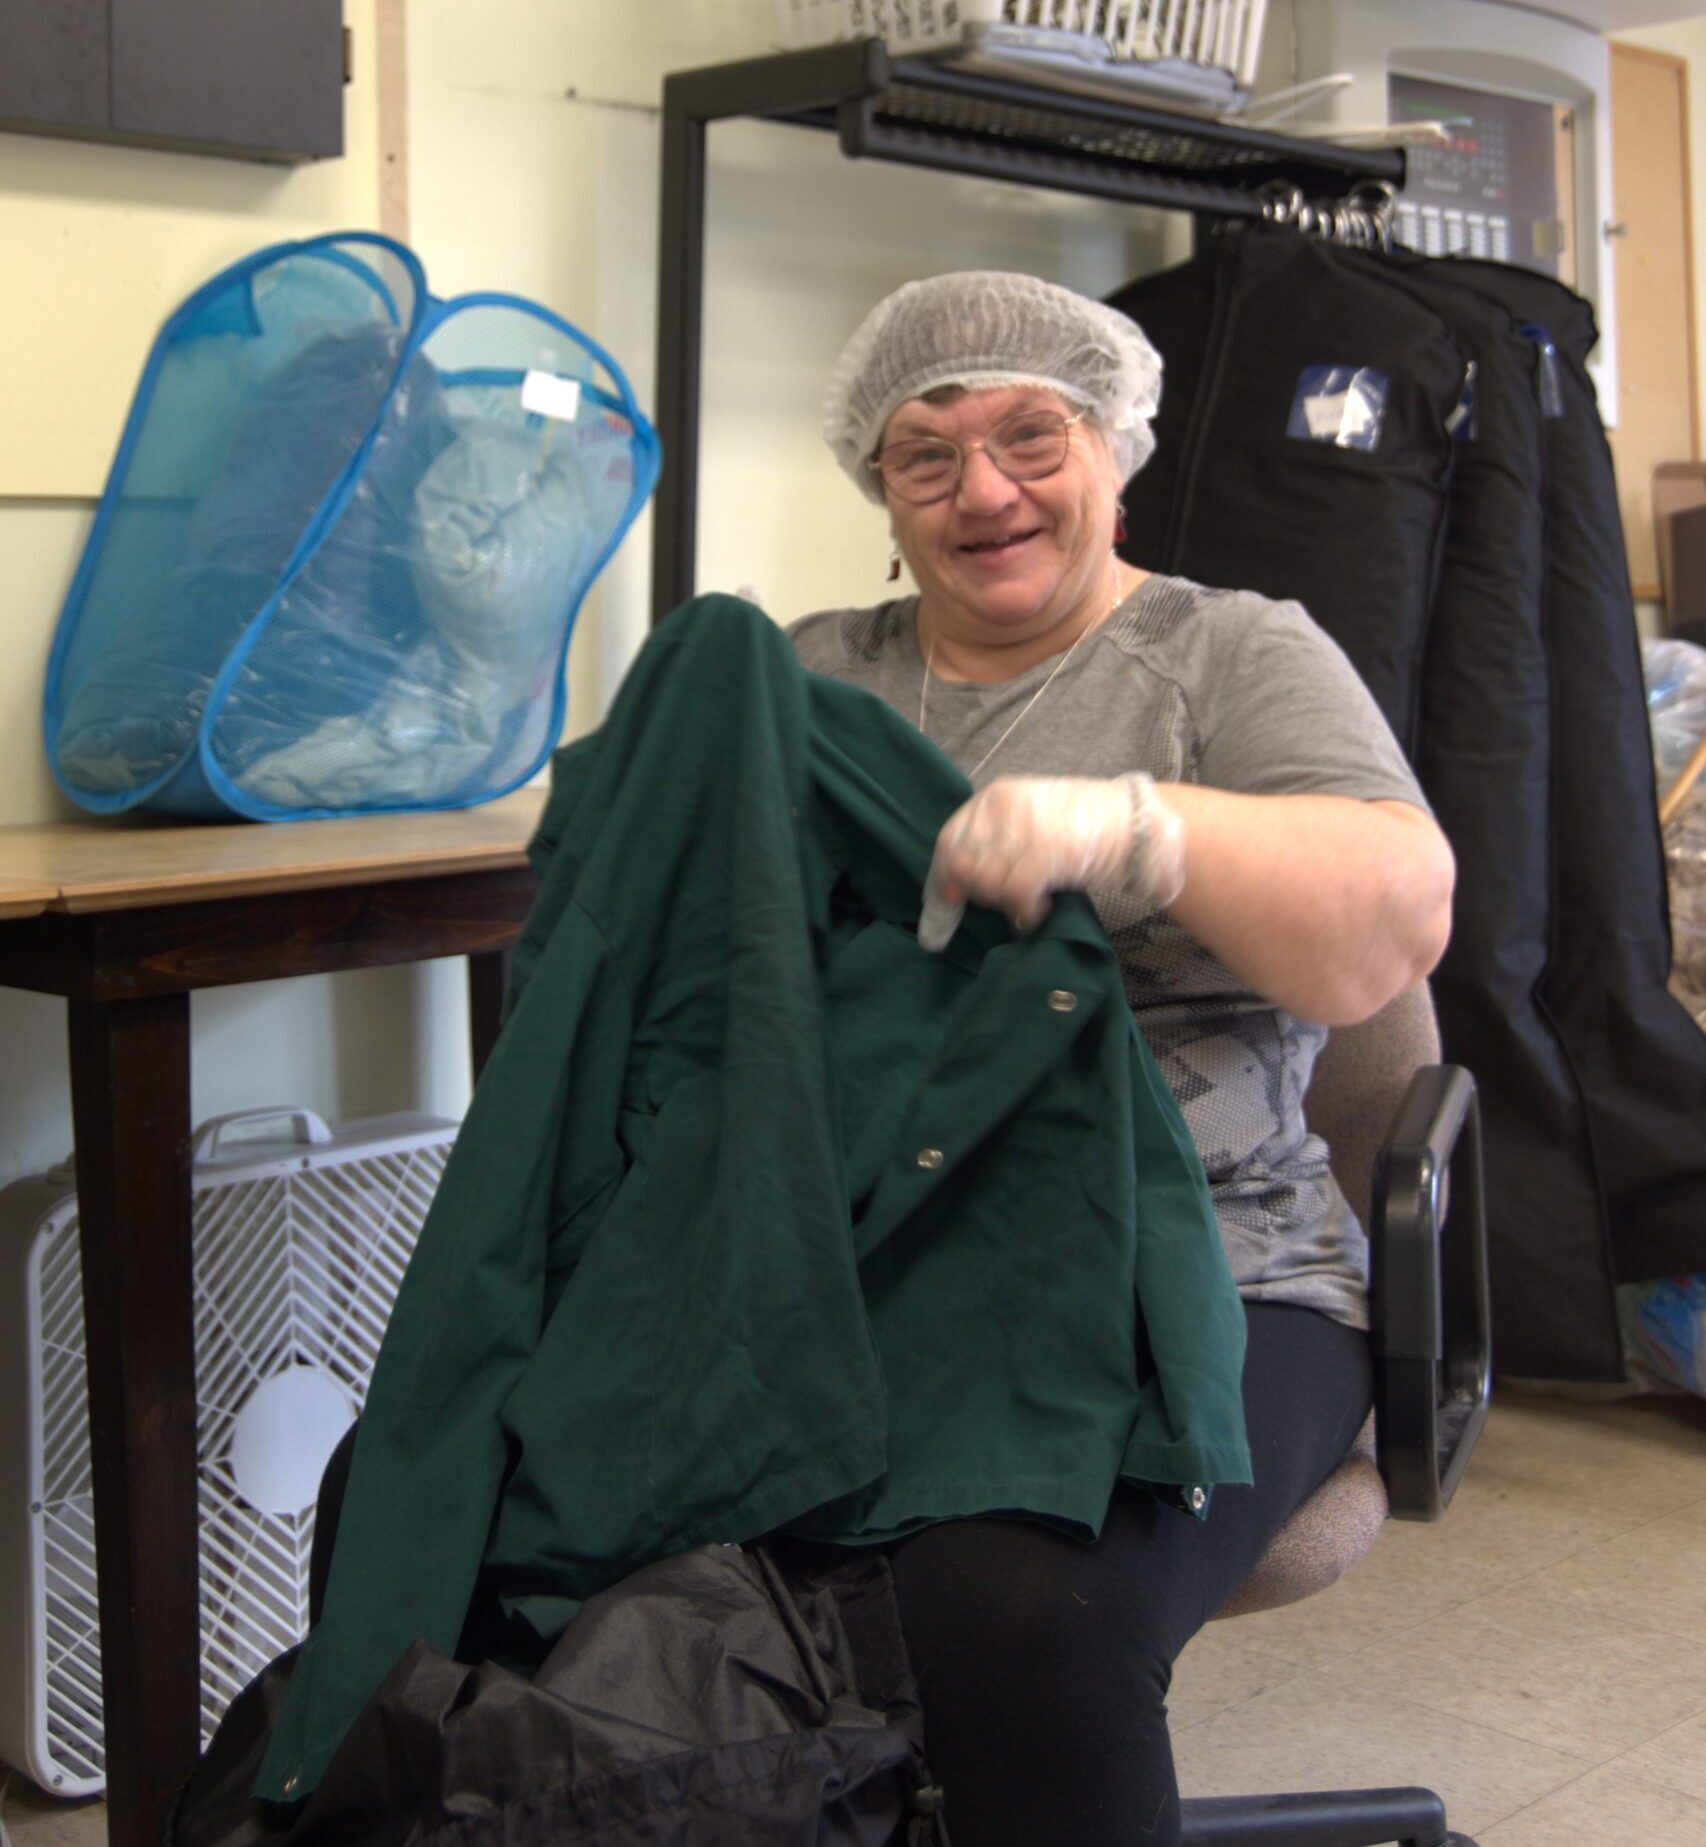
{"x": 925, "y": 114}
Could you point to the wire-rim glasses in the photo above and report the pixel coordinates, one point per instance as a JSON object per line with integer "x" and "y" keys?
{"x": 1025, "y": 447}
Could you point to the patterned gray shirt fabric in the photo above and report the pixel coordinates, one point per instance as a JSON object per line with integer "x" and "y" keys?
{"x": 1233, "y": 691}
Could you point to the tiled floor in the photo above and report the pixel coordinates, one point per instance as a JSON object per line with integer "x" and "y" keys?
{"x": 1539, "y": 1658}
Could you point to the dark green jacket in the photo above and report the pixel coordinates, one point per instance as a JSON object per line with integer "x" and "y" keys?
{"x": 761, "y": 1215}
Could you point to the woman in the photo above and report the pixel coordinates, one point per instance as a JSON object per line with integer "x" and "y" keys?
{"x": 1207, "y": 766}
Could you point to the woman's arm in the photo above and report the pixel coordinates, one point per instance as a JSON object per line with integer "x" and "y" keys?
{"x": 1324, "y": 905}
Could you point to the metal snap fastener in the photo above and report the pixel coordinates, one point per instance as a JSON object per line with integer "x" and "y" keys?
{"x": 930, "y": 1157}
{"x": 291, "y": 1783}
{"x": 1062, "y": 1000}
{"x": 1198, "y": 1500}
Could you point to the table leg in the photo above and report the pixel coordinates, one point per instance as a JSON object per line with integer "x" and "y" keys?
{"x": 130, "y": 1098}
{"x": 488, "y": 978}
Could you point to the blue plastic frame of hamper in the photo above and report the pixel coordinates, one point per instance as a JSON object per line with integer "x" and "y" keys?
{"x": 647, "y": 461}
{"x": 242, "y": 271}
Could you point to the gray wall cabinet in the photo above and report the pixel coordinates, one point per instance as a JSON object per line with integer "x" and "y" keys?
{"x": 254, "y": 79}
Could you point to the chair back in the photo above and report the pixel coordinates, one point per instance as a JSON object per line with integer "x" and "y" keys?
{"x": 1359, "y": 1081}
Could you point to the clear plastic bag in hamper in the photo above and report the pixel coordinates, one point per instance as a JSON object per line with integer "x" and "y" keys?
{"x": 343, "y": 544}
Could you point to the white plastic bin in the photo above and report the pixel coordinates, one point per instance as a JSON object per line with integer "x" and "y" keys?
{"x": 1224, "y": 34}
{"x": 903, "y": 25}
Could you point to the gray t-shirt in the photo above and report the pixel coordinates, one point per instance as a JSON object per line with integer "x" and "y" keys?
{"x": 1227, "y": 689}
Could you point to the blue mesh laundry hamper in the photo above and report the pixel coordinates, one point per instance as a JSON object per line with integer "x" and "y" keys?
{"x": 343, "y": 544}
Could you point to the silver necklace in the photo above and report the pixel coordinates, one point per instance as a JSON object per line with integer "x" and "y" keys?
{"x": 1024, "y": 710}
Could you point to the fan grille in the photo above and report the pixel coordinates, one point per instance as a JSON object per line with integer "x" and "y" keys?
{"x": 296, "y": 1269}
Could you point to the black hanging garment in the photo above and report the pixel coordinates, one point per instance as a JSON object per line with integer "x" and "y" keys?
{"x": 1494, "y": 718}
{"x": 1240, "y": 494}
{"x": 1640, "y": 1059}
{"x": 1484, "y": 758}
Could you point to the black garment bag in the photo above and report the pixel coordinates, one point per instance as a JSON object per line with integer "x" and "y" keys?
{"x": 1235, "y": 497}
{"x": 1471, "y": 566}
{"x": 1484, "y": 757}
{"x": 1640, "y": 1059}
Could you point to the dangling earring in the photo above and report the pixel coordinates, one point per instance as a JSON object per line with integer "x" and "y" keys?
{"x": 1119, "y": 526}
{"x": 894, "y": 564}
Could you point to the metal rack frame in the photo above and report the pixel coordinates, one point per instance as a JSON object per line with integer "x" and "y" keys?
{"x": 923, "y": 114}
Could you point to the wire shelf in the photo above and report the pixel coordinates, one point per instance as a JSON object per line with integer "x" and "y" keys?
{"x": 923, "y": 113}
{"x": 1046, "y": 136}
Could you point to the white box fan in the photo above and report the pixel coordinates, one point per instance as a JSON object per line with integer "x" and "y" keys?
{"x": 300, "y": 1238}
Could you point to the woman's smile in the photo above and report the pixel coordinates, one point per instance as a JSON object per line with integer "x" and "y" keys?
{"x": 1000, "y": 549}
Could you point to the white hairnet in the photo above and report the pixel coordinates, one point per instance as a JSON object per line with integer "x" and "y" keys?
{"x": 983, "y": 328}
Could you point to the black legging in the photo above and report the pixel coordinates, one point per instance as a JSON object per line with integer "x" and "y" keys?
{"x": 1043, "y": 1664}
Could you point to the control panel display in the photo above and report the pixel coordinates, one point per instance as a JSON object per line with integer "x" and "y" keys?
{"x": 1499, "y": 187}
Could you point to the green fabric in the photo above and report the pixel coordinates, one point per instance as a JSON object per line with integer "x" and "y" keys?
{"x": 686, "y": 1278}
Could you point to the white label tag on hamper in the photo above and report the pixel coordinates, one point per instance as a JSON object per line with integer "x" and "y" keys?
{"x": 550, "y": 396}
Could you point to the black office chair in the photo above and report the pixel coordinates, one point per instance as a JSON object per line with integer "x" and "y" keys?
{"x": 1404, "y": 1132}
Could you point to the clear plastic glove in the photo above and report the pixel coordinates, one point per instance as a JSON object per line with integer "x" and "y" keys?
{"x": 1025, "y": 837}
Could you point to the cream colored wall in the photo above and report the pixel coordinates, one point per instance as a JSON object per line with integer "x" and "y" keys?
{"x": 1686, "y": 39}
{"x": 533, "y": 150}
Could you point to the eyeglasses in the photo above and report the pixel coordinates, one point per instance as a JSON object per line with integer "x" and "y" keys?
{"x": 1025, "y": 447}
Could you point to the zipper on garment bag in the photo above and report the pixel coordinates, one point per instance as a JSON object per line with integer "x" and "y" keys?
{"x": 1551, "y": 390}
{"x": 1228, "y": 250}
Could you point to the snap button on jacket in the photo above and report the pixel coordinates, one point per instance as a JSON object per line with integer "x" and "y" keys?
{"x": 690, "y": 1278}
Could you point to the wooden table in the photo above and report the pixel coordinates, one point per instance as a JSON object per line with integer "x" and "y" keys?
{"x": 125, "y": 922}
{"x": 25, "y": 897}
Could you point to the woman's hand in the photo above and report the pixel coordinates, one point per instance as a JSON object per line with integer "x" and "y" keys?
{"x": 1322, "y": 904}
{"x": 1025, "y": 837}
